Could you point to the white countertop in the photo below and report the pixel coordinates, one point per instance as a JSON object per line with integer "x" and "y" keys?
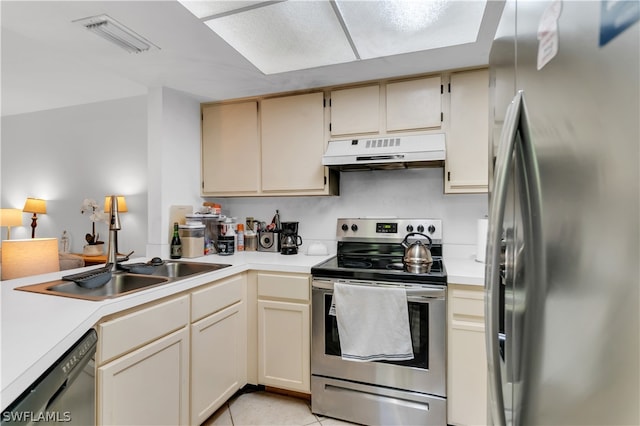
{"x": 464, "y": 270}
{"x": 37, "y": 329}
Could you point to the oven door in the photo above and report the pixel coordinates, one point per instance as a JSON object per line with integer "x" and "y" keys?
{"x": 427, "y": 321}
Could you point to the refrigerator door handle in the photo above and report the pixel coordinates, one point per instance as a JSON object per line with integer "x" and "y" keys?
{"x": 515, "y": 129}
{"x": 503, "y": 165}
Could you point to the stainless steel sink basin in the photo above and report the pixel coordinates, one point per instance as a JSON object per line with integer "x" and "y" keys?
{"x": 122, "y": 283}
{"x": 178, "y": 269}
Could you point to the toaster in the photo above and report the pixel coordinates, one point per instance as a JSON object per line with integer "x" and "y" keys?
{"x": 269, "y": 241}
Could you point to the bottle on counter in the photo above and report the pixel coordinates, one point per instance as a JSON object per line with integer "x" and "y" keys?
{"x": 240, "y": 237}
{"x": 176, "y": 244}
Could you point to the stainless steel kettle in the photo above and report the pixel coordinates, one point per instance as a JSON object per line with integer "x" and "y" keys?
{"x": 417, "y": 256}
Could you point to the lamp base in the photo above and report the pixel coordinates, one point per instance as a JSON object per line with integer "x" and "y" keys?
{"x": 93, "y": 250}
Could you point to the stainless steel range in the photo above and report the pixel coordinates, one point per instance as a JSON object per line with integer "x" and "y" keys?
{"x": 413, "y": 391}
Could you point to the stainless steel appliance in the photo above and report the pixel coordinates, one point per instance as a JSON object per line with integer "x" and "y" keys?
{"x": 269, "y": 241}
{"x": 562, "y": 278}
{"x": 289, "y": 239}
{"x": 370, "y": 253}
{"x": 64, "y": 394}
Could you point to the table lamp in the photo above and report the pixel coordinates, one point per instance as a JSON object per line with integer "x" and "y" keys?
{"x": 21, "y": 258}
{"x": 9, "y": 218}
{"x": 122, "y": 204}
{"x": 35, "y": 206}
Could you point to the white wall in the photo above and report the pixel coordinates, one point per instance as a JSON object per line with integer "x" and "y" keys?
{"x": 174, "y": 161}
{"x": 69, "y": 154}
{"x": 400, "y": 193}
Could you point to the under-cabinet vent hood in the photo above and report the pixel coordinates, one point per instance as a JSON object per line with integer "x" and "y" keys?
{"x": 386, "y": 152}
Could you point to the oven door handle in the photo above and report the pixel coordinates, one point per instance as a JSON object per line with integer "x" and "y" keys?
{"x": 413, "y": 293}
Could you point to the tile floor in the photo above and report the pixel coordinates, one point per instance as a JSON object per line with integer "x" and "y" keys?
{"x": 256, "y": 408}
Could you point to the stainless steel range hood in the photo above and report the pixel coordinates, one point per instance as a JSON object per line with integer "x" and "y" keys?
{"x": 386, "y": 152}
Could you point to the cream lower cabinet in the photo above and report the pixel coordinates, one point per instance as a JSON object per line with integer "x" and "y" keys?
{"x": 284, "y": 342}
{"x": 467, "y": 360}
{"x": 143, "y": 366}
{"x": 218, "y": 345}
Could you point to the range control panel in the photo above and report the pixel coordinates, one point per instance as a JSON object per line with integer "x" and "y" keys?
{"x": 387, "y": 228}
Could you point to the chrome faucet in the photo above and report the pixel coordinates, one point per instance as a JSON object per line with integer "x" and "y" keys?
{"x": 114, "y": 227}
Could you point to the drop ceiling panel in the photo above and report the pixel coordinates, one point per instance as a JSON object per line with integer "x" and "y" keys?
{"x": 286, "y": 36}
{"x": 386, "y": 28}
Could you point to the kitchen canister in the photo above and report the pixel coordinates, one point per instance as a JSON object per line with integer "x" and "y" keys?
{"x": 481, "y": 240}
{"x": 226, "y": 245}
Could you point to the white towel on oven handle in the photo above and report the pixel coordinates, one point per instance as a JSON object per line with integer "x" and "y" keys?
{"x": 373, "y": 322}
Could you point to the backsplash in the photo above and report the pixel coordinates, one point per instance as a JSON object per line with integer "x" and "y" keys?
{"x": 383, "y": 193}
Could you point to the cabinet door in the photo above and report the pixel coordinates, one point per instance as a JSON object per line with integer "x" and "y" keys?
{"x": 230, "y": 148}
{"x": 284, "y": 345}
{"x": 293, "y": 143}
{"x": 467, "y": 360}
{"x": 466, "y": 166}
{"x": 149, "y": 386}
{"x": 355, "y": 111}
{"x": 218, "y": 360}
{"x": 414, "y": 104}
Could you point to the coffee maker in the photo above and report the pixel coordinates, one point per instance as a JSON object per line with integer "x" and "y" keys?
{"x": 289, "y": 239}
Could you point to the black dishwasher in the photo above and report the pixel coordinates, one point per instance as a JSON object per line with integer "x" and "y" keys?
{"x": 65, "y": 393}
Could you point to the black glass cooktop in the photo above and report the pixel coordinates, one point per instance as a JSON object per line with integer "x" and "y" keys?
{"x": 379, "y": 262}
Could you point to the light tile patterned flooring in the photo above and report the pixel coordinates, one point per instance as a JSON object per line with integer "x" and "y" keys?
{"x": 266, "y": 408}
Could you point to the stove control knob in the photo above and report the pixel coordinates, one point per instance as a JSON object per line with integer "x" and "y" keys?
{"x": 345, "y": 227}
{"x": 409, "y": 228}
{"x": 431, "y": 229}
{"x": 420, "y": 229}
{"x": 354, "y": 227}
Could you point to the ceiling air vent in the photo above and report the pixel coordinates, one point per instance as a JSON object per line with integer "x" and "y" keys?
{"x": 118, "y": 34}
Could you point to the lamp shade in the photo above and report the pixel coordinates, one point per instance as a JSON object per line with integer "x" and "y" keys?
{"x": 34, "y": 256}
{"x": 122, "y": 204}
{"x": 35, "y": 205}
{"x": 10, "y": 217}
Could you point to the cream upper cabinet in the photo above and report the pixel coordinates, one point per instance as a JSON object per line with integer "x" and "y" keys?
{"x": 414, "y": 104}
{"x": 355, "y": 110}
{"x": 284, "y": 331}
{"x": 466, "y": 356}
{"x": 266, "y": 147}
{"x": 388, "y": 107}
{"x": 293, "y": 142}
{"x": 230, "y": 148}
{"x": 132, "y": 349}
{"x": 466, "y": 165}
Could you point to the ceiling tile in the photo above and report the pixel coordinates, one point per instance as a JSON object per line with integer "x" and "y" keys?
{"x": 286, "y": 36}
{"x": 385, "y": 28}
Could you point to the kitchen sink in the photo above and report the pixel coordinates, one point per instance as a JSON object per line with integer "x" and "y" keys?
{"x": 122, "y": 283}
{"x": 176, "y": 269}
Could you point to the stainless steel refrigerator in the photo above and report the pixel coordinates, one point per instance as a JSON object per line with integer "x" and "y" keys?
{"x": 562, "y": 278}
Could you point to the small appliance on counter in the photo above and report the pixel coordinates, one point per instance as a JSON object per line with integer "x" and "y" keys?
{"x": 269, "y": 241}
{"x": 289, "y": 239}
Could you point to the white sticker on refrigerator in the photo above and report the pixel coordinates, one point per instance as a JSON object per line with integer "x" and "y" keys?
{"x": 548, "y": 33}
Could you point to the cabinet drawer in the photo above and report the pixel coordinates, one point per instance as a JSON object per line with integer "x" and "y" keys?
{"x": 216, "y": 296}
{"x": 121, "y": 335}
{"x": 284, "y": 286}
{"x": 467, "y": 304}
